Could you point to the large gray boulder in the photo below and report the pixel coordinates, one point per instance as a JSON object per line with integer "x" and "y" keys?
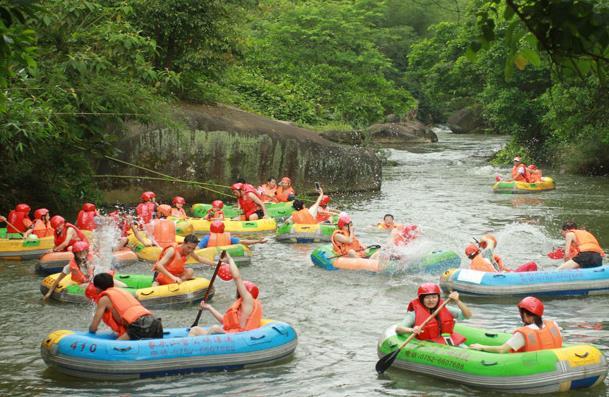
{"x": 403, "y": 132}
{"x": 467, "y": 120}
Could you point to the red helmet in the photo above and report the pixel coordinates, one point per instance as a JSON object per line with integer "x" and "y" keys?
{"x": 343, "y": 219}
{"x": 178, "y": 200}
{"x": 216, "y": 227}
{"x": 251, "y": 288}
{"x": 88, "y": 207}
{"x": 471, "y": 250}
{"x": 40, "y": 212}
{"x": 57, "y": 221}
{"x": 532, "y": 305}
{"x": 22, "y": 208}
{"x": 428, "y": 289}
{"x": 217, "y": 204}
{"x": 324, "y": 200}
{"x": 164, "y": 210}
{"x": 532, "y": 166}
{"x": 80, "y": 246}
{"x": 237, "y": 186}
{"x": 287, "y": 180}
{"x": 147, "y": 196}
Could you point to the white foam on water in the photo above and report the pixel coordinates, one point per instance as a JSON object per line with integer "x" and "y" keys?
{"x": 105, "y": 239}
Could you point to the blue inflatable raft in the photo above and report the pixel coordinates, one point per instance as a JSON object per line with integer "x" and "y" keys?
{"x": 576, "y": 282}
{"x": 101, "y": 356}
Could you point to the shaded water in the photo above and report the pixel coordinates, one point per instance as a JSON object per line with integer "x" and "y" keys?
{"x": 444, "y": 188}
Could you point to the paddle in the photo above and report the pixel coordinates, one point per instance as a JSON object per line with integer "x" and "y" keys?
{"x": 361, "y": 249}
{"x": 385, "y": 362}
{"x": 211, "y": 283}
{"x": 13, "y": 226}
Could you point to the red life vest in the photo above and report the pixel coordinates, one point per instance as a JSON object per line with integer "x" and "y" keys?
{"x": 125, "y": 310}
{"x": 145, "y": 211}
{"x": 303, "y": 217}
{"x": 219, "y": 239}
{"x": 176, "y": 266}
{"x": 343, "y": 248}
{"x": 322, "y": 215}
{"x": 548, "y": 337}
{"x": 76, "y": 274}
{"x": 584, "y": 242}
{"x": 42, "y": 229}
{"x": 164, "y": 232}
{"x": 85, "y": 220}
{"x": 247, "y": 205}
{"x": 60, "y": 238}
{"x": 214, "y": 215}
{"x": 231, "y": 322}
{"x": 443, "y": 323}
{"x": 178, "y": 213}
{"x": 518, "y": 176}
{"x": 18, "y": 219}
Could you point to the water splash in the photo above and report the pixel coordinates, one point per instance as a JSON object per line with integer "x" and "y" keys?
{"x": 105, "y": 239}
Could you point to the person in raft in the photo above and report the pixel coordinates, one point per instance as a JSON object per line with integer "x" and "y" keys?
{"x": 146, "y": 209}
{"x": 534, "y": 173}
{"x": 244, "y": 314}
{"x": 344, "y": 241}
{"x": 388, "y": 223}
{"x": 247, "y": 197}
{"x": 86, "y": 217}
{"x": 486, "y": 260}
{"x": 217, "y": 237}
{"x": 66, "y": 234}
{"x": 284, "y": 191}
{"x": 42, "y": 224}
{"x": 303, "y": 215}
{"x": 268, "y": 189}
{"x": 324, "y": 214}
{"x": 161, "y": 231}
{"x": 581, "y": 248}
{"x": 215, "y": 212}
{"x": 439, "y": 329}
{"x": 124, "y": 314}
{"x": 519, "y": 170}
{"x": 178, "y": 207}
{"x": 170, "y": 268}
{"x": 536, "y": 334}
{"x": 18, "y": 221}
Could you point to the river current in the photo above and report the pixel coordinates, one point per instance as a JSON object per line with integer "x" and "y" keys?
{"x": 445, "y": 188}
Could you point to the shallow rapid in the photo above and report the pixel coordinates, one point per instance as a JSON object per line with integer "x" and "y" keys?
{"x": 445, "y": 188}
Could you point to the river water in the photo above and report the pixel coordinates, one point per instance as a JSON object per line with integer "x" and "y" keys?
{"x": 445, "y": 188}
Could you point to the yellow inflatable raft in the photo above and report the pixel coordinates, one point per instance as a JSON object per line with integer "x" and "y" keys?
{"x": 201, "y": 226}
{"x": 546, "y": 183}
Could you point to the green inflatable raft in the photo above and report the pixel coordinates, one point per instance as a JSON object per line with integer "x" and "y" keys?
{"x": 278, "y": 211}
{"x": 574, "y": 366}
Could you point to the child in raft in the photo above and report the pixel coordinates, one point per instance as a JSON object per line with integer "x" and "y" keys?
{"x": 303, "y": 215}
{"x": 536, "y": 334}
{"x": 178, "y": 207}
{"x": 244, "y": 314}
{"x": 439, "y": 329}
{"x": 486, "y": 260}
{"x": 215, "y": 213}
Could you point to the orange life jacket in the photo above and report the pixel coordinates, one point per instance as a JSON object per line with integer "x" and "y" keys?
{"x": 125, "y": 310}
{"x": 520, "y": 177}
{"x": 219, "y": 239}
{"x": 177, "y": 264}
{"x": 61, "y": 237}
{"x": 323, "y": 215}
{"x": 482, "y": 264}
{"x": 42, "y": 229}
{"x": 231, "y": 320}
{"x": 145, "y": 211}
{"x": 584, "y": 242}
{"x": 443, "y": 323}
{"x": 343, "y": 248}
{"x": 267, "y": 193}
{"x": 178, "y": 213}
{"x": 214, "y": 215}
{"x": 76, "y": 274}
{"x": 304, "y": 217}
{"x": 282, "y": 194}
{"x": 548, "y": 337}
{"x": 18, "y": 219}
{"x": 534, "y": 176}
{"x": 85, "y": 220}
{"x": 164, "y": 232}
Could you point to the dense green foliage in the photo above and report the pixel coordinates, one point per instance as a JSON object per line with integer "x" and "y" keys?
{"x": 72, "y": 72}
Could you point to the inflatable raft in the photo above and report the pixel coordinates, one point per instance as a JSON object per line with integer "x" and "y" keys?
{"x": 546, "y": 183}
{"x": 140, "y": 285}
{"x": 23, "y": 249}
{"x": 53, "y": 262}
{"x": 574, "y": 366}
{"x": 436, "y": 262}
{"x": 241, "y": 254}
{"x": 201, "y": 226}
{"x": 100, "y": 356}
{"x": 277, "y": 211}
{"x": 576, "y": 282}
{"x": 299, "y": 233}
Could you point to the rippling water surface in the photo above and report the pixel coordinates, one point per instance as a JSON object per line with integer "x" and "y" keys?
{"x": 444, "y": 188}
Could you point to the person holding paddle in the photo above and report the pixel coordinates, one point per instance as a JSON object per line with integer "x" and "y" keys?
{"x": 440, "y": 328}
{"x": 244, "y": 314}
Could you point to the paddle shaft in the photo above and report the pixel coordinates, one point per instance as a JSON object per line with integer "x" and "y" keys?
{"x": 428, "y": 319}
{"x": 209, "y": 287}
{"x": 11, "y": 225}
